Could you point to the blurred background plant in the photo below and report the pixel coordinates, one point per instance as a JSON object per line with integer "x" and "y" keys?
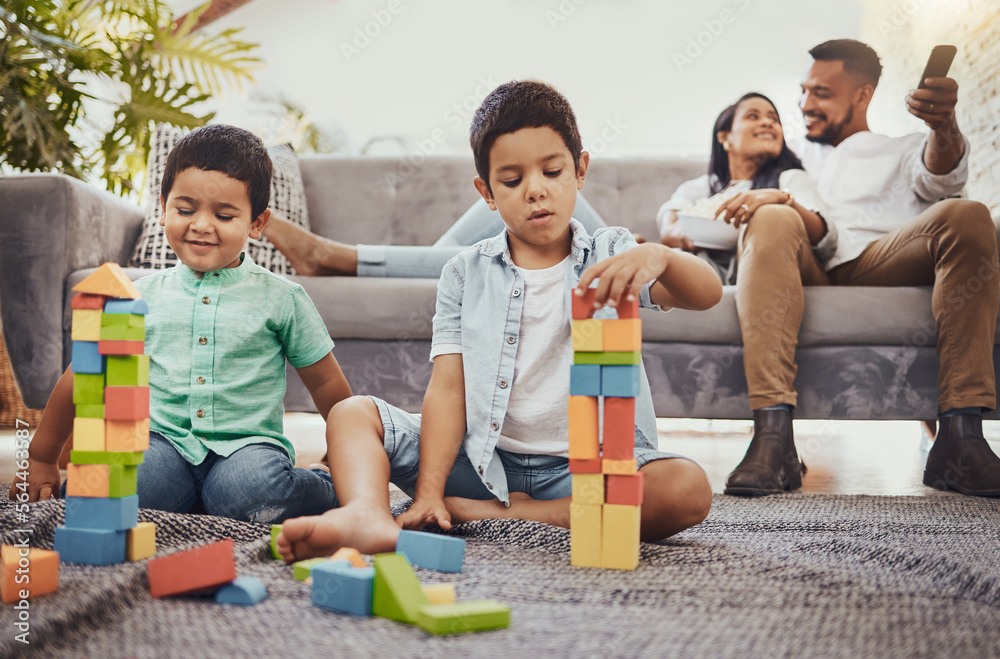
{"x": 58, "y": 57}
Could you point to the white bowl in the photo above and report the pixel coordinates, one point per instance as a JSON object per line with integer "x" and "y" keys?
{"x": 708, "y": 233}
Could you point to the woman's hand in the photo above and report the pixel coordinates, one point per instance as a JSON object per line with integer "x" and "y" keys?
{"x": 738, "y": 210}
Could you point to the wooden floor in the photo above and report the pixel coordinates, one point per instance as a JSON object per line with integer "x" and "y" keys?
{"x": 843, "y": 457}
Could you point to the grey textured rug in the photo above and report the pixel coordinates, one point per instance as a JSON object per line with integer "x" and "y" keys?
{"x": 787, "y": 576}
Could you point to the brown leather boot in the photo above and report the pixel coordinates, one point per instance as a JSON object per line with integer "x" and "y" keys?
{"x": 771, "y": 464}
{"x": 961, "y": 458}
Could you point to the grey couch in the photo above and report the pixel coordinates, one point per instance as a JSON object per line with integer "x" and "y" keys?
{"x": 864, "y": 353}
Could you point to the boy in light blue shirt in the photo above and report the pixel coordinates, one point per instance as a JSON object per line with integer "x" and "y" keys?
{"x": 493, "y": 437}
{"x": 218, "y": 333}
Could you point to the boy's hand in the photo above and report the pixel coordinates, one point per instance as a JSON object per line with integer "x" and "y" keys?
{"x": 622, "y": 276}
{"x": 43, "y": 482}
{"x": 423, "y": 512}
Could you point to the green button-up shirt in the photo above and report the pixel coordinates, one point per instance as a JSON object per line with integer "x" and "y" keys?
{"x": 217, "y": 343}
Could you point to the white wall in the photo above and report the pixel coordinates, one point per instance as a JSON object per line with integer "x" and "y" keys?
{"x": 651, "y": 76}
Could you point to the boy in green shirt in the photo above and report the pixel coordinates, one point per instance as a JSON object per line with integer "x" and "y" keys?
{"x": 218, "y": 332}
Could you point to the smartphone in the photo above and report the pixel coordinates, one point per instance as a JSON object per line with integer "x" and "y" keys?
{"x": 938, "y": 64}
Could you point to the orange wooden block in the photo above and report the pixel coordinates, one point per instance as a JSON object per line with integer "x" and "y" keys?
{"x": 27, "y": 572}
{"x": 121, "y": 347}
{"x": 110, "y": 280}
{"x": 88, "y": 301}
{"x": 619, "y": 466}
{"x": 619, "y": 428}
{"x": 592, "y": 466}
{"x": 583, "y": 305}
{"x": 629, "y": 309}
{"x": 622, "y": 335}
{"x": 349, "y": 554}
{"x": 126, "y": 403}
{"x": 583, "y": 428}
{"x": 88, "y": 480}
{"x": 127, "y": 436}
{"x": 207, "y": 566}
{"x": 625, "y": 490}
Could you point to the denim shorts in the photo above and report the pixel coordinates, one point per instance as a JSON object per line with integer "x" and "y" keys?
{"x": 539, "y": 476}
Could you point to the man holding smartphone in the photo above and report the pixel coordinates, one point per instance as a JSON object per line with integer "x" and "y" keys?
{"x": 898, "y": 225}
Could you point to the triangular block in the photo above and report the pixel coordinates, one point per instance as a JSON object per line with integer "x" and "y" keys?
{"x": 396, "y": 592}
{"x": 110, "y": 280}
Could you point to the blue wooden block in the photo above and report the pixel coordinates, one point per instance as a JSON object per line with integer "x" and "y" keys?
{"x": 585, "y": 380}
{"x": 432, "y": 551}
{"x": 90, "y": 546}
{"x": 242, "y": 591}
{"x": 620, "y": 381}
{"x": 341, "y": 587}
{"x": 86, "y": 359}
{"x": 138, "y": 307}
{"x": 100, "y": 513}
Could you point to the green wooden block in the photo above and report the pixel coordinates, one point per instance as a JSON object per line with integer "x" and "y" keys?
{"x": 128, "y": 370}
{"x": 123, "y": 481}
{"x": 105, "y": 457}
{"x": 396, "y": 592}
{"x": 608, "y": 358}
{"x": 88, "y": 411}
{"x": 123, "y": 333}
{"x": 88, "y": 388}
{"x": 275, "y": 530}
{"x": 123, "y": 320}
{"x": 301, "y": 569}
{"x": 460, "y": 617}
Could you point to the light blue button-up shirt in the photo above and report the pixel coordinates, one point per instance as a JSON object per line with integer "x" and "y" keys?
{"x": 217, "y": 343}
{"x": 479, "y": 301}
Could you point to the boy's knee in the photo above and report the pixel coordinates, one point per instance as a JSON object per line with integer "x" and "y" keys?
{"x": 355, "y": 408}
{"x": 687, "y": 491}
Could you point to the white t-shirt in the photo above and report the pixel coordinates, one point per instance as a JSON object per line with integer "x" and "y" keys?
{"x": 796, "y": 181}
{"x": 537, "y": 415}
{"x": 873, "y": 184}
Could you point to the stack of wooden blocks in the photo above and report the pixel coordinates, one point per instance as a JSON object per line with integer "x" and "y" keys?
{"x": 607, "y": 487}
{"x": 111, "y": 428}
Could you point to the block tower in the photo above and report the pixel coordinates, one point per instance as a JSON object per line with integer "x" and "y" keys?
{"x": 111, "y": 428}
{"x": 607, "y": 487}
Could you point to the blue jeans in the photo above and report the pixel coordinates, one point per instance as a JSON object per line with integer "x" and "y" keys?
{"x": 257, "y": 483}
{"x": 477, "y": 223}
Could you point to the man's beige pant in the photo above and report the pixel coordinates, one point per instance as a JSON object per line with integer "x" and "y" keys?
{"x": 952, "y": 245}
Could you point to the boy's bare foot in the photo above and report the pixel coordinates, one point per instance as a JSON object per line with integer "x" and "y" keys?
{"x": 522, "y": 506}
{"x": 369, "y": 528}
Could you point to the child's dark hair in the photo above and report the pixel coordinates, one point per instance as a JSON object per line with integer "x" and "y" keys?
{"x": 767, "y": 174}
{"x": 521, "y": 104}
{"x": 233, "y": 151}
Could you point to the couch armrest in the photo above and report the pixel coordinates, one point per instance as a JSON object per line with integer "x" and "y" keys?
{"x": 50, "y": 226}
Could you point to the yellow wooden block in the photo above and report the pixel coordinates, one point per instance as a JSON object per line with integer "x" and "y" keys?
{"x": 140, "y": 541}
{"x": 88, "y": 480}
{"x": 588, "y": 489}
{"x": 584, "y": 443}
{"x": 619, "y": 467}
{"x": 127, "y": 436}
{"x": 88, "y": 434}
{"x": 439, "y": 593}
{"x": 588, "y": 335}
{"x": 622, "y": 335}
{"x": 620, "y": 537}
{"x": 585, "y": 535}
{"x": 110, "y": 280}
{"x": 86, "y": 325}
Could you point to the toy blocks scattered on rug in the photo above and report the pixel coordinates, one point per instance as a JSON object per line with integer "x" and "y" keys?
{"x": 607, "y": 489}
{"x": 439, "y": 593}
{"x": 242, "y": 591}
{"x": 396, "y": 592}
{"x": 205, "y": 566}
{"x": 461, "y": 617}
{"x": 111, "y": 428}
{"x": 340, "y": 586}
{"x": 432, "y": 551}
{"x": 27, "y": 572}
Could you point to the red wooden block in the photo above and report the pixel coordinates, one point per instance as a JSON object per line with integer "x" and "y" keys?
{"x": 629, "y": 309}
{"x": 121, "y": 347}
{"x": 625, "y": 490}
{"x": 126, "y": 403}
{"x": 207, "y": 566}
{"x": 88, "y": 301}
{"x": 592, "y": 466}
{"x": 619, "y": 428}
{"x": 583, "y": 305}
